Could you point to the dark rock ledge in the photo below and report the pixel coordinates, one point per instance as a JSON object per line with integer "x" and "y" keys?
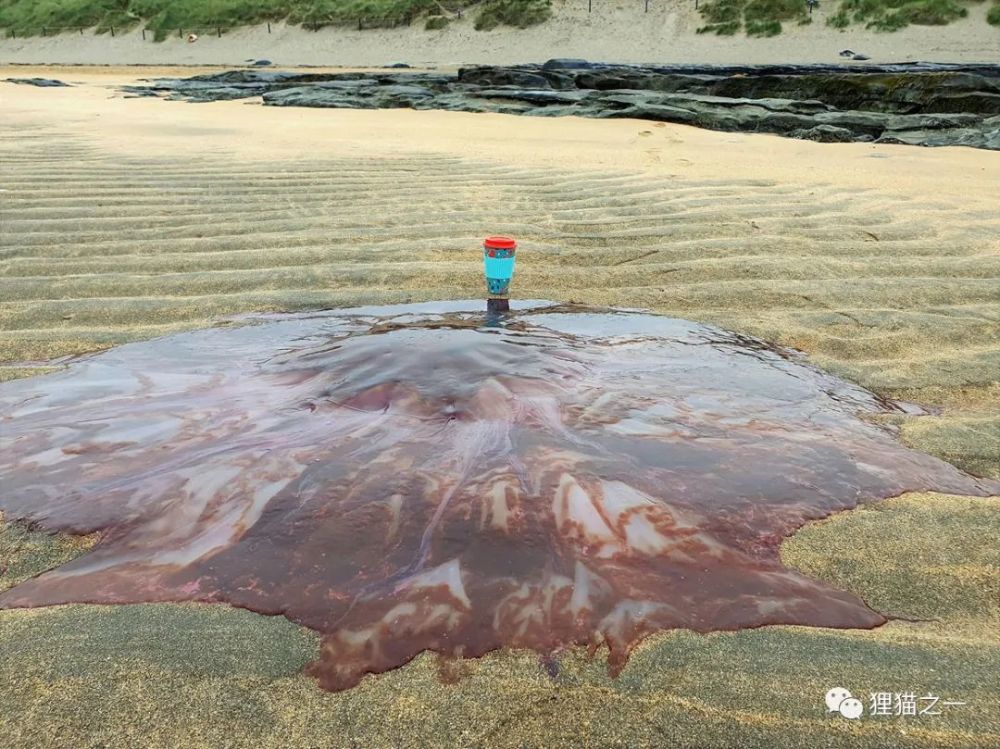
{"x": 913, "y": 103}
{"x": 40, "y": 82}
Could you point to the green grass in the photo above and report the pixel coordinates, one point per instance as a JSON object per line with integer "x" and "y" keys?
{"x": 891, "y": 15}
{"x": 166, "y": 17}
{"x": 993, "y": 16}
{"x": 518, "y": 13}
{"x": 757, "y": 17}
{"x": 765, "y": 17}
{"x": 436, "y": 22}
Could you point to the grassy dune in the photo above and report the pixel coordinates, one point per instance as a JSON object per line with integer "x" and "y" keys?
{"x": 724, "y": 17}
{"x": 765, "y": 17}
{"x": 890, "y": 15}
{"x": 163, "y": 17}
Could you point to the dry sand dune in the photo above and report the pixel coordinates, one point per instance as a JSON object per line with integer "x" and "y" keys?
{"x": 125, "y": 219}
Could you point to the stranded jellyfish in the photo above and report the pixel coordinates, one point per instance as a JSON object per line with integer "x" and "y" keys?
{"x": 418, "y": 478}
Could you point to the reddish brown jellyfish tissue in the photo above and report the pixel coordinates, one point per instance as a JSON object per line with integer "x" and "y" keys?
{"x": 419, "y": 478}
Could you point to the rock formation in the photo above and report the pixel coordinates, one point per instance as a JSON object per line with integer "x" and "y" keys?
{"x": 911, "y": 103}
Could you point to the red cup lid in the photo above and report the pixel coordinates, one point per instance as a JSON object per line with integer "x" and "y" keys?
{"x": 500, "y": 243}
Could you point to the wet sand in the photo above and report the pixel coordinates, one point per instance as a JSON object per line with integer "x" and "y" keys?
{"x": 128, "y": 218}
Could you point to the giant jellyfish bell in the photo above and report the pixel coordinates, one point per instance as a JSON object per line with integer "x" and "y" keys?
{"x": 407, "y": 478}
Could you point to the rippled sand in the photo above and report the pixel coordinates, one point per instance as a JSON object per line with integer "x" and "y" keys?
{"x": 126, "y": 219}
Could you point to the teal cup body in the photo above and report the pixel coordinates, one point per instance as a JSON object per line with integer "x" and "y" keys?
{"x": 498, "y": 265}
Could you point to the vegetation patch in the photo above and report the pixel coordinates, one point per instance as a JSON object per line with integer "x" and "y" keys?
{"x": 316, "y": 14}
{"x": 758, "y": 17}
{"x": 172, "y": 17}
{"x": 993, "y": 15}
{"x": 891, "y": 15}
{"x": 436, "y": 22}
{"x": 518, "y": 13}
{"x": 765, "y": 17}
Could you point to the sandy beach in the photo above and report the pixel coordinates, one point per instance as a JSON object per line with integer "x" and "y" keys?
{"x": 611, "y": 32}
{"x": 125, "y": 219}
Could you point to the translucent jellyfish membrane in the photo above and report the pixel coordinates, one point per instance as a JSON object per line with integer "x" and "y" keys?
{"x": 417, "y": 477}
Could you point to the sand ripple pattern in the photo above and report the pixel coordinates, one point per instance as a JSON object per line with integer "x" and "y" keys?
{"x": 898, "y": 294}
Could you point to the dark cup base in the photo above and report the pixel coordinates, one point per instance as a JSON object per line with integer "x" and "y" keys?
{"x": 497, "y": 305}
